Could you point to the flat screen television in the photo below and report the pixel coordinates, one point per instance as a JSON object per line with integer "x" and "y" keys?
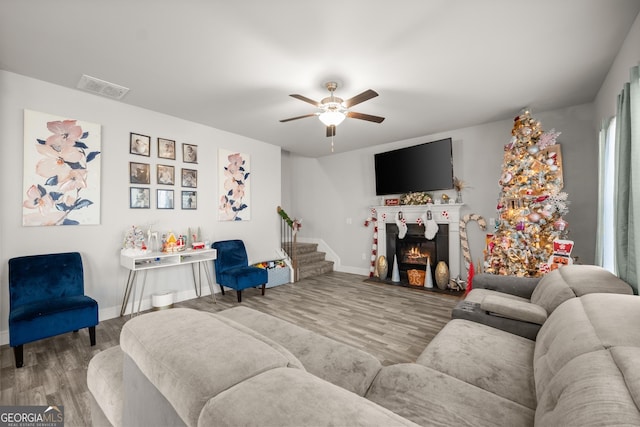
{"x": 423, "y": 167}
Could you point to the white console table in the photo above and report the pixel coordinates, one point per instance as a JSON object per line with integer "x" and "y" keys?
{"x": 443, "y": 214}
{"x": 154, "y": 260}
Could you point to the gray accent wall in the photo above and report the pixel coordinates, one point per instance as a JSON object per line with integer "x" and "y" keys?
{"x": 333, "y": 194}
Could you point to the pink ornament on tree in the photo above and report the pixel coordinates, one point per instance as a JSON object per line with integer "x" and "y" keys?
{"x": 548, "y": 138}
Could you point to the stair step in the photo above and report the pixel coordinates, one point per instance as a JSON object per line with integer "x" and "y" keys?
{"x": 311, "y": 257}
{"x": 303, "y": 248}
{"x": 314, "y": 269}
{"x": 310, "y": 261}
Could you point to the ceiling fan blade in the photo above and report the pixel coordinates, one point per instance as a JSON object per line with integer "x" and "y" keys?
{"x": 299, "y": 117}
{"x": 367, "y": 117}
{"x": 305, "y": 99}
{"x": 331, "y": 130}
{"x": 367, "y": 94}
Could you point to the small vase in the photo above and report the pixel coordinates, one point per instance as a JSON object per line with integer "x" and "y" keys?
{"x": 442, "y": 275}
{"x": 459, "y": 197}
{"x": 382, "y": 267}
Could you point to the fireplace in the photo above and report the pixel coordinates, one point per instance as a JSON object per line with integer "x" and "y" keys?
{"x": 447, "y": 217}
{"x": 413, "y": 251}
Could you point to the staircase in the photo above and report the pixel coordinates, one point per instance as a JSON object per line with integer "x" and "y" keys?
{"x": 311, "y": 262}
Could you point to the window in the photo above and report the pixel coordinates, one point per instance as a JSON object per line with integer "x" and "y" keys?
{"x": 608, "y": 198}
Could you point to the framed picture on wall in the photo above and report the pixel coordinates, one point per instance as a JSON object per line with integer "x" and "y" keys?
{"x": 166, "y": 149}
{"x": 189, "y": 178}
{"x": 139, "y": 198}
{"x": 139, "y": 144}
{"x": 189, "y": 200}
{"x": 189, "y": 153}
{"x": 164, "y": 199}
{"x": 139, "y": 173}
{"x": 165, "y": 174}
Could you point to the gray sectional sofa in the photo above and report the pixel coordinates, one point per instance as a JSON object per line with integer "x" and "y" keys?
{"x": 241, "y": 367}
{"x": 521, "y": 305}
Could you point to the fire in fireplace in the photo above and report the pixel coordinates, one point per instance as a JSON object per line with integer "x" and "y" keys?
{"x": 413, "y": 251}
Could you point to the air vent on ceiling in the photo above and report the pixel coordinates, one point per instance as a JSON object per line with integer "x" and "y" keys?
{"x": 101, "y": 87}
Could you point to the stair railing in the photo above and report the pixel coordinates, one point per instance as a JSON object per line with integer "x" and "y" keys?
{"x": 288, "y": 239}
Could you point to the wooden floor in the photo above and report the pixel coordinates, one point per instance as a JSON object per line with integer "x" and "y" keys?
{"x": 392, "y": 323}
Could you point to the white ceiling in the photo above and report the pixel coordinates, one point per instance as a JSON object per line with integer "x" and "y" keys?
{"x": 437, "y": 64}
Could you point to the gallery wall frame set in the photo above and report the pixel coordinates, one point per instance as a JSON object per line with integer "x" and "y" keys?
{"x": 140, "y": 174}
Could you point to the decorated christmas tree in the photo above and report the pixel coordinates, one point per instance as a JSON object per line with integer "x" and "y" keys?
{"x": 530, "y": 227}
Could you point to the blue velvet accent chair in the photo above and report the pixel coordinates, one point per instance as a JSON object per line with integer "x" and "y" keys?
{"x": 233, "y": 269}
{"x": 46, "y": 298}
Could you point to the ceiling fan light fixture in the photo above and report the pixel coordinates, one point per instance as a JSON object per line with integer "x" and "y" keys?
{"x": 332, "y": 118}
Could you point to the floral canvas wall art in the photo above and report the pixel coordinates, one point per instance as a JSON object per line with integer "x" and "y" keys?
{"x": 61, "y": 171}
{"x": 234, "y": 188}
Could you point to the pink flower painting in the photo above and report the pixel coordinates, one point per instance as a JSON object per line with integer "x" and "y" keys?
{"x": 233, "y": 186}
{"x": 61, "y": 171}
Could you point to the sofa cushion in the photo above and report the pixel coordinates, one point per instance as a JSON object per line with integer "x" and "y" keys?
{"x": 338, "y": 363}
{"x": 512, "y": 285}
{"x": 575, "y": 280}
{"x": 181, "y": 350}
{"x": 104, "y": 381}
{"x": 291, "y": 397}
{"x": 599, "y": 388}
{"x": 494, "y": 360}
{"x": 478, "y": 295}
{"x": 582, "y": 325}
{"x": 428, "y": 397}
{"x": 512, "y": 309}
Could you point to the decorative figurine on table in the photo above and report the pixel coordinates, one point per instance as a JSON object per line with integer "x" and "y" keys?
{"x": 133, "y": 243}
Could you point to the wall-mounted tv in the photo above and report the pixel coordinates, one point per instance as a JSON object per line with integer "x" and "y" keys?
{"x": 423, "y": 167}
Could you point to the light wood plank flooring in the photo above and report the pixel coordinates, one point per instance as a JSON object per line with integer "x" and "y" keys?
{"x": 392, "y": 323}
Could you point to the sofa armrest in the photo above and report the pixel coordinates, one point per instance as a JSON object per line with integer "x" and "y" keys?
{"x": 518, "y": 286}
{"x": 513, "y": 309}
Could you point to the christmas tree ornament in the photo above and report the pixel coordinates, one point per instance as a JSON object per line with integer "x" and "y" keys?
{"x": 560, "y": 224}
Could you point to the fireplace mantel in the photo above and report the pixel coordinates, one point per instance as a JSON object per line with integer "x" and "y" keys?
{"x": 442, "y": 213}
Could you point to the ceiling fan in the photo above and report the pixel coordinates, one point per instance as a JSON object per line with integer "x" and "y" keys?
{"x": 334, "y": 110}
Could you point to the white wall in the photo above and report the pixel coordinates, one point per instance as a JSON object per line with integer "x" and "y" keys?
{"x": 618, "y": 75}
{"x": 100, "y": 244}
{"x": 333, "y": 194}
